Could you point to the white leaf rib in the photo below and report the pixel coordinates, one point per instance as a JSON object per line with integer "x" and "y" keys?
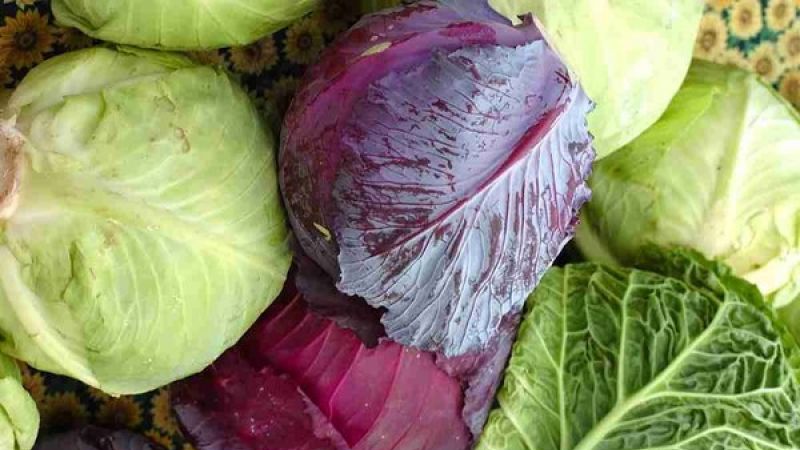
{"x": 604, "y": 426}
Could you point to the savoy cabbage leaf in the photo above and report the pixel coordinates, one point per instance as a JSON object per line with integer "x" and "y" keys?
{"x": 607, "y": 358}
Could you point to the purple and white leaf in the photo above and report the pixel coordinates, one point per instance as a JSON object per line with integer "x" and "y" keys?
{"x": 433, "y": 163}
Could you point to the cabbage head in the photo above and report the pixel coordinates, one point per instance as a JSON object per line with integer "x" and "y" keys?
{"x": 142, "y": 231}
{"x": 437, "y": 171}
{"x": 180, "y": 25}
{"x": 630, "y": 56}
{"x": 719, "y": 173}
{"x": 676, "y": 353}
{"x": 19, "y": 419}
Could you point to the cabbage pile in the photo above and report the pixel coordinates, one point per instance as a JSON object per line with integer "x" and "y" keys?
{"x": 378, "y": 274}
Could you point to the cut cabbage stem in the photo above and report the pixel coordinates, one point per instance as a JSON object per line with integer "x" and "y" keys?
{"x": 11, "y": 142}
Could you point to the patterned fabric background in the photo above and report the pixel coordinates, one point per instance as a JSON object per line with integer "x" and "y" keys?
{"x": 758, "y": 35}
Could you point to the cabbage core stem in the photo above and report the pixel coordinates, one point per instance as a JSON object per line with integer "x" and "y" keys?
{"x": 11, "y": 142}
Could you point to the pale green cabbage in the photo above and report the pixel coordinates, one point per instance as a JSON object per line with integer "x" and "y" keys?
{"x": 719, "y": 173}
{"x": 630, "y": 56}
{"x": 680, "y": 356}
{"x": 142, "y": 229}
{"x": 180, "y": 24}
{"x": 19, "y": 419}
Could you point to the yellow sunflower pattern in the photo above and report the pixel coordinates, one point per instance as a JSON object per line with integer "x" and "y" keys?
{"x": 63, "y": 411}
{"x": 120, "y": 412}
{"x": 790, "y": 86}
{"x": 758, "y": 35}
{"x": 304, "y": 41}
{"x": 163, "y": 419}
{"x": 25, "y": 39}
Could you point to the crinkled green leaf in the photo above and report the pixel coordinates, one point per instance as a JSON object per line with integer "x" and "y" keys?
{"x": 19, "y": 419}
{"x": 630, "y": 56}
{"x": 180, "y": 25}
{"x": 629, "y": 359}
{"x": 719, "y": 173}
{"x": 148, "y": 233}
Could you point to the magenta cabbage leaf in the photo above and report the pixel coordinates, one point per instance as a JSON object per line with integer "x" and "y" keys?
{"x": 433, "y": 163}
{"x": 298, "y": 381}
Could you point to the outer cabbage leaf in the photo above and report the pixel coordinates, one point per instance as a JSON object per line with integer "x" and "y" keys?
{"x": 298, "y": 381}
{"x": 733, "y": 197}
{"x": 19, "y": 419}
{"x": 630, "y": 55}
{"x": 433, "y": 150}
{"x": 142, "y": 226}
{"x": 180, "y": 25}
{"x": 95, "y": 438}
{"x": 480, "y": 373}
{"x": 630, "y": 359}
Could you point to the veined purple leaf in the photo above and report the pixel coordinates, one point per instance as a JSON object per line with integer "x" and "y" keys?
{"x": 297, "y": 381}
{"x": 433, "y": 164}
{"x": 481, "y": 374}
{"x": 236, "y": 406}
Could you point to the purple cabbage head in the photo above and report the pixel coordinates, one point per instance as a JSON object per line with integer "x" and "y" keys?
{"x": 433, "y": 162}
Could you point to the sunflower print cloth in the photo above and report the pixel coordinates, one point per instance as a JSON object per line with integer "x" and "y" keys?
{"x": 758, "y": 35}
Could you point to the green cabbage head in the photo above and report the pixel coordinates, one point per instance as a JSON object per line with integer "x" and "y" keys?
{"x": 19, "y": 419}
{"x": 182, "y": 24}
{"x": 675, "y": 354}
{"x": 631, "y": 56}
{"x": 719, "y": 173}
{"x": 142, "y": 231}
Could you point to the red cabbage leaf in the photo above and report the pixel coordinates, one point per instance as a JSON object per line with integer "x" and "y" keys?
{"x": 297, "y": 381}
{"x": 433, "y": 163}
